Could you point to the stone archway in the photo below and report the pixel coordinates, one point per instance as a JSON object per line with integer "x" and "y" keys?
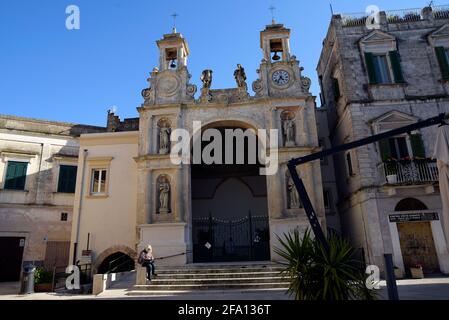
{"x": 229, "y": 201}
{"x": 110, "y": 251}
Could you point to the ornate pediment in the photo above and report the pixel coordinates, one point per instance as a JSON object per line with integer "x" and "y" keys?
{"x": 378, "y": 41}
{"x": 440, "y": 37}
{"x": 391, "y": 120}
{"x": 377, "y": 36}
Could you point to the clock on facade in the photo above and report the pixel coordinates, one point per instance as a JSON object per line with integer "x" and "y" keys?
{"x": 281, "y": 77}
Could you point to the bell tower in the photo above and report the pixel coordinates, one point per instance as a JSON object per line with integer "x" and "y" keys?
{"x": 279, "y": 72}
{"x": 170, "y": 82}
{"x": 275, "y": 43}
{"x": 173, "y": 51}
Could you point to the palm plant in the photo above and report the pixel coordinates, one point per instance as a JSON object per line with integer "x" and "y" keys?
{"x": 319, "y": 274}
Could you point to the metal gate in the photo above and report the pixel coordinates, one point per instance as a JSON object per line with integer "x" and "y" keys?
{"x": 242, "y": 239}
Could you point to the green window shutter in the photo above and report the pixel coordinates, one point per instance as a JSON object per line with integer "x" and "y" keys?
{"x": 417, "y": 146}
{"x": 385, "y": 150}
{"x": 370, "y": 66}
{"x": 396, "y": 65}
{"x": 336, "y": 87}
{"x": 16, "y": 175}
{"x": 67, "y": 179}
{"x": 442, "y": 60}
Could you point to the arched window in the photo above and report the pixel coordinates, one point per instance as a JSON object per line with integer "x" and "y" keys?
{"x": 410, "y": 204}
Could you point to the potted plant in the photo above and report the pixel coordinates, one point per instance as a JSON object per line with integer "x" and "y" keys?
{"x": 391, "y": 171}
{"x": 416, "y": 271}
{"x": 398, "y": 273}
{"x": 43, "y": 280}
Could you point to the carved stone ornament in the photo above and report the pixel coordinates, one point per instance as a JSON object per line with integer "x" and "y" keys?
{"x": 288, "y": 128}
{"x": 306, "y": 83}
{"x": 168, "y": 84}
{"x": 164, "y": 195}
{"x": 206, "y": 78}
{"x": 292, "y": 195}
{"x": 240, "y": 77}
{"x": 258, "y": 87}
{"x": 191, "y": 90}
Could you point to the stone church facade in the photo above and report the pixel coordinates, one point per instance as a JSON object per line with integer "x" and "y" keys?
{"x": 131, "y": 193}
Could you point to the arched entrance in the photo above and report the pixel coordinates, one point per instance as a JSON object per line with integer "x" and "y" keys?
{"x": 416, "y": 238}
{"x": 229, "y": 206}
{"x": 116, "y": 262}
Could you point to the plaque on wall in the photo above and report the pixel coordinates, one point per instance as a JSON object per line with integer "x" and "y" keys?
{"x": 410, "y": 217}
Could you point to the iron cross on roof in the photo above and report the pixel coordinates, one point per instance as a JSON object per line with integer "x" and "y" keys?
{"x": 174, "y": 16}
{"x": 272, "y": 8}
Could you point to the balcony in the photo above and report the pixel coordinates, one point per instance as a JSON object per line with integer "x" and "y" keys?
{"x": 408, "y": 172}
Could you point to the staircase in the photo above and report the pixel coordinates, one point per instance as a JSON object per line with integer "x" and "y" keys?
{"x": 216, "y": 277}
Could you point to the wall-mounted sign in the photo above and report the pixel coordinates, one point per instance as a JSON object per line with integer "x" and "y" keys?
{"x": 410, "y": 217}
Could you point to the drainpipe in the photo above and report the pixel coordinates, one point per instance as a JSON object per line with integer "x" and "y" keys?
{"x": 39, "y": 176}
{"x": 80, "y": 201}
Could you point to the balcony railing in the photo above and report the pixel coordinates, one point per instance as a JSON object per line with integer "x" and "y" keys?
{"x": 440, "y": 12}
{"x": 408, "y": 172}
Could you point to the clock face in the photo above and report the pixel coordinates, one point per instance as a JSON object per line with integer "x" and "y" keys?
{"x": 281, "y": 77}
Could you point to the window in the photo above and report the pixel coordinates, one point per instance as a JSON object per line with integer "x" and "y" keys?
{"x": 322, "y": 144}
{"x": 336, "y": 89}
{"x": 384, "y": 68}
{"x": 67, "y": 179}
{"x": 16, "y": 175}
{"x": 327, "y": 199}
{"x": 349, "y": 164}
{"x": 98, "y": 183}
{"x": 398, "y": 148}
{"x": 64, "y": 216}
{"x": 443, "y": 61}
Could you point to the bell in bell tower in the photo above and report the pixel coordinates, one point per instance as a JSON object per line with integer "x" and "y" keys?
{"x": 279, "y": 72}
{"x": 170, "y": 82}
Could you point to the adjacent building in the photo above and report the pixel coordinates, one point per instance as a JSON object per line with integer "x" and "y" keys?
{"x": 38, "y": 167}
{"x": 374, "y": 79}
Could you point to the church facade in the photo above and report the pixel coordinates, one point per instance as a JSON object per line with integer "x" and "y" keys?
{"x": 132, "y": 191}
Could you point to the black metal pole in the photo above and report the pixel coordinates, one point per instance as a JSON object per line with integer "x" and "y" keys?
{"x": 351, "y": 145}
{"x": 390, "y": 277}
{"x": 308, "y": 207}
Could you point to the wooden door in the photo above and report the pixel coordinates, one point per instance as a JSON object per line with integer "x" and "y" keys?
{"x": 11, "y": 249}
{"x": 417, "y": 246}
{"x": 57, "y": 255}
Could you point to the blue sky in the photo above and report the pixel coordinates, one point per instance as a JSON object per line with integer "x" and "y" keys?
{"x": 49, "y": 72}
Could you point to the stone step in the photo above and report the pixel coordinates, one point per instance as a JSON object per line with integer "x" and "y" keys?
{"x": 216, "y": 270}
{"x": 216, "y": 286}
{"x": 162, "y": 293}
{"x": 259, "y": 274}
{"x": 224, "y": 281}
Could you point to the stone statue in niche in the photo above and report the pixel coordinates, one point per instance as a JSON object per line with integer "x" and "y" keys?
{"x": 289, "y": 132}
{"x": 240, "y": 77}
{"x": 206, "y": 78}
{"x": 293, "y": 197}
{"x": 164, "y": 139}
{"x": 164, "y": 196}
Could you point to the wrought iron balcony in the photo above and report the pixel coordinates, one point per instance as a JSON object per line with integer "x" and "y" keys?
{"x": 408, "y": 172}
